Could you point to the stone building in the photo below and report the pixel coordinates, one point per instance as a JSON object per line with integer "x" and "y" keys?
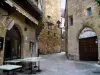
{"x": 82, "y": 30}
{"x": 49, "y": 39}
{"x": 19, "y": 22}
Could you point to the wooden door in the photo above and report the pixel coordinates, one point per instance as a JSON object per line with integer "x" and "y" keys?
{"x": 88, "y": 49}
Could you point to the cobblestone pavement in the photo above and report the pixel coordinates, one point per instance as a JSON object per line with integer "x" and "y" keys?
{"x": 57, "y": 64}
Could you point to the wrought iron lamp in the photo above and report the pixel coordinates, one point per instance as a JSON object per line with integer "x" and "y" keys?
{"x": 58, "y": 23}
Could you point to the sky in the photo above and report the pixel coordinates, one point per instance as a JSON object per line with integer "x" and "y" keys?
{"x": 62, "y": 7}
{"x": 63, "y": 3}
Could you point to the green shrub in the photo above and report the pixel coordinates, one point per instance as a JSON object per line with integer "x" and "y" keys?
{"x": 98, "y": 2}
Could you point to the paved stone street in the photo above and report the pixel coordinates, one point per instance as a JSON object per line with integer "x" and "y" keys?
{"x": 57, "y": 64}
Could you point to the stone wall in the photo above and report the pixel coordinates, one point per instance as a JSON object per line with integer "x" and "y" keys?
{"x": 78, "y": 8}
{"x": 52, "y": 8}
{"x": 19, "y": 20}
{"x": 27, "y": 36}
{"x": 50, "y": 42}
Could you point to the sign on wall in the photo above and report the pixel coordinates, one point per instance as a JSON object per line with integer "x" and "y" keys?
{"x": 87, "y": 32}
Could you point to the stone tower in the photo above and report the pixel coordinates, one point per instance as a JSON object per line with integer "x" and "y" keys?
{"x": 49, "y": 39}
{"x": 52, "y": 8}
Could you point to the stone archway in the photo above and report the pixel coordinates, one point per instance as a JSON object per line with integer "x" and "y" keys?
{"x": 13, "y": 43}
{"x": 88, "y": 44}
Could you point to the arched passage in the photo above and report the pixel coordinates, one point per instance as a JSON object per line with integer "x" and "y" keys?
{"x": 88, "y": 45}
{"x": 12, "y": 44}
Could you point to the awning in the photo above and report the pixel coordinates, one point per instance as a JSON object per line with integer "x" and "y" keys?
{"x": 22, "y": 11}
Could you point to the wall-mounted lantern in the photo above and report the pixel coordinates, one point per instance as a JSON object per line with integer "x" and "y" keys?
{"x": 58, "y": 23}
{"x": 25, "y": 29}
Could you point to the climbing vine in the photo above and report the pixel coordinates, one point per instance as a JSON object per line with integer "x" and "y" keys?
{"x": 98, "y": 2}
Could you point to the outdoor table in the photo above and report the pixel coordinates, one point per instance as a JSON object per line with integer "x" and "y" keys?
{"x": 9, "y": 68}
{"x": 15, "y": 61}
{"x": 33, "y": 59}
{"x": 29, "y": 59}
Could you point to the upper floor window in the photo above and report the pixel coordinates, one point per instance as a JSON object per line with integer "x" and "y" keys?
{"x": 89, "y": 11}
{"x": 99, "y": 15}
{"x": 70, "y": 20}
{"x": 36, "y": 0}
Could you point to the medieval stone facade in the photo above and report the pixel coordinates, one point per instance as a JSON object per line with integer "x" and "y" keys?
{"x": 85, "y": 13}
{"x": 16, "y": 40}
{"x": 52, "y": 8}
{"x": 49, "y": 39}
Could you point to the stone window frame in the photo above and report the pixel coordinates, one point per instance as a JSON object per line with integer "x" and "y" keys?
{"x": 70, "y": 20}
{"x": 89, "y": 11}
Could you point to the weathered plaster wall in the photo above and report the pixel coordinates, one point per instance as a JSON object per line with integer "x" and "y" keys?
{"x": 20, "y": 23}
{"x": 78, "y": 8}
{"x": 27, "y": 36}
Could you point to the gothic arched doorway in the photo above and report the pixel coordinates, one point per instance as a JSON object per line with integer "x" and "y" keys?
{"x": 88, "y": 45}
{"x": 12, "y": 44}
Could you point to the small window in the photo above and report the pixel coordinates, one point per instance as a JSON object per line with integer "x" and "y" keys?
{"x": 99, "y": 15}
{"x": 89, "y": 11}
{"x": 70, "y": 20}
{"x": 36, "y": 0}
{"x": 48, "y": 32}
{"x": 54, "y": 34}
